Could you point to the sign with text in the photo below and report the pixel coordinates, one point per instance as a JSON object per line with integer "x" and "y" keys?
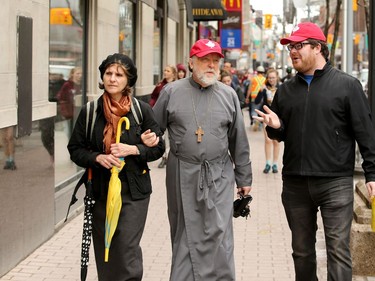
{"x": 208, "y": 10}
{"x": 231, "y": 31}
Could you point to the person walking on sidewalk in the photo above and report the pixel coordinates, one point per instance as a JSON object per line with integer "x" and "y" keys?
{"x": 125, "y": 257}
{"x": 265, "y": 97}
{"x": 169, "y": 75}
{"x": 257, "y": 84}
{"x": 319, "y": 114}
{"x": 209, "y": 153}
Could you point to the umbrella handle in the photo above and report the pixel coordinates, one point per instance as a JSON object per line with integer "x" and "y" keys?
{"x": 89, "y": 174}
{"x": 127, "y": 126}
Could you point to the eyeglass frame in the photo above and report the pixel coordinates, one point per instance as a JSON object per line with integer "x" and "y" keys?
{"x": 300, "y": 44}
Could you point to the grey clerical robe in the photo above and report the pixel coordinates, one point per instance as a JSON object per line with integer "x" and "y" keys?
{"x": 201, "y": 176}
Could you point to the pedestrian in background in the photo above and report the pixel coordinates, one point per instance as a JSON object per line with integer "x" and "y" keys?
{"x": 265, "y": 97}
{"x": 119, "y": 75}
{"x": 226, "y": 78}
{"x": 256, "y": 85}
{"x": 227, "y": 66}
{"x": 320, "y": 114}
{"x": 66, "y": 97}
{"x": 181, "y": 71}
{"x": 169, "y": 75}
{"x": 289, "y": 74}
{"x": 209, "y": 154}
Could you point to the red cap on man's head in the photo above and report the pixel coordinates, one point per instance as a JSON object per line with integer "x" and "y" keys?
{"x": 303, "y": 31}
{"x": 204, "y": 47}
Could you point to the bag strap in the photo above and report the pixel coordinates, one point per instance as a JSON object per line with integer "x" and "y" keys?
{"x": 90, "y": 118}
{"x": 90, "y": 122}
{"x": 137, "y": 112}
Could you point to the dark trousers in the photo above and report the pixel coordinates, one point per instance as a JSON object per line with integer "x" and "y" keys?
{"x": 125, "y": 261}
{"x": 301, "y": 197}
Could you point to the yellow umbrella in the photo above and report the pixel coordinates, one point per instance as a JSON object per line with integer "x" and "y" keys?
{"x": 114, "y": 201}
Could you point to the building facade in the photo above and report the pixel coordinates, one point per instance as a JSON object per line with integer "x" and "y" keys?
{"x": 46, "y": 43}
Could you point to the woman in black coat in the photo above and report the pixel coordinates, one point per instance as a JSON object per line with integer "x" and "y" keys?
{"x": 118, "y": 74}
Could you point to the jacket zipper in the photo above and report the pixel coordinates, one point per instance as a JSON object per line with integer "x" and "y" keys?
{"x": 304, "y": 125}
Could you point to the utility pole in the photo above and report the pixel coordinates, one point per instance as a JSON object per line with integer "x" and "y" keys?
{"x": 371, "y": 74}
{"x": 285, "y": 8}
{"x": 308, "y": 10}
{"x": 347, "y": 64}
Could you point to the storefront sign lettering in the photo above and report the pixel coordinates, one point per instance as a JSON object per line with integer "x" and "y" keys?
{"x": 208, "y": 12}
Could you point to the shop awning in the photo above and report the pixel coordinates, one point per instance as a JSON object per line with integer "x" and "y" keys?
{"x": 205, "y": 10}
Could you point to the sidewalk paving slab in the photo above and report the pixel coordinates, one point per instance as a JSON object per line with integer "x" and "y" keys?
{"x": 262, "y": 242}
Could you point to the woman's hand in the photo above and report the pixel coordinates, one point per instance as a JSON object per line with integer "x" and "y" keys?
{"x": 269, "y": 118}
{"x": 149, "y": 138}
{"x": 122, "y": 150}
{"x": 108, "y": 161}
{"x": 371, "y": 189}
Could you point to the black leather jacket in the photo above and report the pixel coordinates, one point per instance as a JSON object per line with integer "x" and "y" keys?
{"x": 320, "y": 124}
{"x": 135, "y": 173}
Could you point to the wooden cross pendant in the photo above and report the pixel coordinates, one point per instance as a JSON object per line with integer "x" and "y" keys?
{"x": 199, "y": 132}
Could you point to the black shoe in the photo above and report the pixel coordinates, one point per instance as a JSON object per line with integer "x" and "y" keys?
{"x": 267, "y": 169}
{"x": 10, "y": 165}
{"x": 162, "y": 163}
{"x": 274, "y": 169}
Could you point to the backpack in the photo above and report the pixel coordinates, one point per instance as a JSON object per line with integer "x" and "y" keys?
{"x": 91, "y": 107}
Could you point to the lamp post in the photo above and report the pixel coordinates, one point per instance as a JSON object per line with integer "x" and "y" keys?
{"x": 347, "y": 64}
{"x": 371, "y": 74}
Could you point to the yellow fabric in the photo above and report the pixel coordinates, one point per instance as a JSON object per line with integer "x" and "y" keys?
{"x": 114, "y": 202}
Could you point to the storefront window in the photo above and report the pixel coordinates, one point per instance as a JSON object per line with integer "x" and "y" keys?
{"x": 126, "y": 32}
{"x": 66, "y": 76}
{"x": 158, "y": 28}
{"x": 208, "y": 30}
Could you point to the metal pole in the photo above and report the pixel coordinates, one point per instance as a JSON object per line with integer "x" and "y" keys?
{"x": 261, "y": 45}
{"x": 371, "y": 74}
{"x": 308, "y": 10}
{"x": 283, "y": 50}
{"x": 348, "y": 37}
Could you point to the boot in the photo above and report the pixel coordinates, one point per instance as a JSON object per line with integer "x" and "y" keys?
{"x": 163, "y": 162}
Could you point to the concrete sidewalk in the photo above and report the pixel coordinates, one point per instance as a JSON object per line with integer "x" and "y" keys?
{"x": 262, "y": 242}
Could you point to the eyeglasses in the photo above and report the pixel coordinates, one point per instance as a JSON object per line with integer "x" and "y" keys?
{"x": 297, "y": 46}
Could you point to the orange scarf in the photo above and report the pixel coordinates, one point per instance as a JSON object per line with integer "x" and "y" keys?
{"x": 113, "y": 111}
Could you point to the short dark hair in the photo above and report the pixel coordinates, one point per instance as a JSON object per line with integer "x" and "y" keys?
{"x": 324, "y": 48}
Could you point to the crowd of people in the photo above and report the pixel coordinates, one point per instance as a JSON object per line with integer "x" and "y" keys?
{"x": 203, "y": 114}
{"x": 194, "y": 122}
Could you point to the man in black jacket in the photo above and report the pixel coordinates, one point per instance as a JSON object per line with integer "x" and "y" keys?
{"x": 320, "y": 114}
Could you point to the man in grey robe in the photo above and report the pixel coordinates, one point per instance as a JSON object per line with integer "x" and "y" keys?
{"x": 209, "y": 154}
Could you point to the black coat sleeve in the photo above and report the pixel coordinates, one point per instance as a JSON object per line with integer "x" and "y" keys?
{"x": 149, "y": 122}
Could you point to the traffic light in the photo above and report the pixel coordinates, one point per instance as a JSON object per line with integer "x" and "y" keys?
{"x": 267, "y": 21}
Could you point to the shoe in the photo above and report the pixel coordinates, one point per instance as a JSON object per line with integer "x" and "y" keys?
{"x": 162, "y": 163}
{"x": 274, "y": 169}
{"x": 267, "y": 169}
{"x": 10, "y": 165}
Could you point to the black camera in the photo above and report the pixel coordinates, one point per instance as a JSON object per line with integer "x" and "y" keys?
{"x": 241, "y": 206}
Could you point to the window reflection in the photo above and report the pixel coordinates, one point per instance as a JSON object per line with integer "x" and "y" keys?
{"x": 65, "y": 74}
{"x": 126, "y": 32}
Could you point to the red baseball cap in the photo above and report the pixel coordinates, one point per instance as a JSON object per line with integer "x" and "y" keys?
{"x": 303, "y": 31}
{"x": 204, "y": 47}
